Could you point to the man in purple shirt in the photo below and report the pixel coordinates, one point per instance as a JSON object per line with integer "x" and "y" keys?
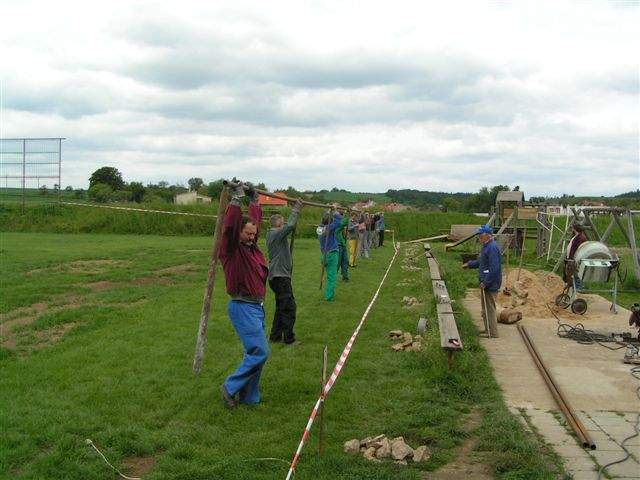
{"x": 245, "y": 271}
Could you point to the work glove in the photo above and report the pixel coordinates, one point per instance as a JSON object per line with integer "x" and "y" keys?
{"x": 237, "y": 192}
{"x": 251, "y": 192}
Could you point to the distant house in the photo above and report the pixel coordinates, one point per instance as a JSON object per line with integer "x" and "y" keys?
{"x": 190, "y": 198}
{"x": 272, "y": 202}
{"x": 364, "y": 204}
{"x": 394, "y": 207}
{"x": 589, "y": 203}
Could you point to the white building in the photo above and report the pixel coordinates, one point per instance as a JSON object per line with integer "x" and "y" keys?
{"x": 190, "y": 198}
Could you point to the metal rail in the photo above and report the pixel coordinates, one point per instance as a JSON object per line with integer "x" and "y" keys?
{"x": 558, "y": 395}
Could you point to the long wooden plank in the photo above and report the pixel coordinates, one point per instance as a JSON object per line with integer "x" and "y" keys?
{"x": 466, "y": 239}
{"x": 444, "y": 308}
{"x": 449, "y": 335}
{"x": 434, "y": 269}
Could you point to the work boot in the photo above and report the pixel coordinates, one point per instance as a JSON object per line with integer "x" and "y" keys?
{"x": 227, "y": 399}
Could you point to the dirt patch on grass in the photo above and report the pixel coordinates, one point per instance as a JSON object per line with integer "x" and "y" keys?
{"x": 184, "y": 268}
{"x": 151, "y": 281}
{"x": 464, "y": 466}
{"x": 53, "y": 335}
{"x": 31, "y": 310}
{"x": 101, "y": 286}
{"x": 138, "y": 466}
{"x": 81, "y": 266}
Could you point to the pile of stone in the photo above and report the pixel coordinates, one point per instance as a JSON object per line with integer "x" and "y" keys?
{"x": 407, "y": 341}
{"x": 518, "y": 293}
{"x": 376, "y": 449}
{"x": 411, "y": 302}
{"x": 410, "y": 268}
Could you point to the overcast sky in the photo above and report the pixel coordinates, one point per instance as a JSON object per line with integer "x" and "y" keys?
{"x": 447, "y": 96}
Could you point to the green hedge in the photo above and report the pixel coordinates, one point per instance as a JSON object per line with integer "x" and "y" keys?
{"x": 55, "y": 218}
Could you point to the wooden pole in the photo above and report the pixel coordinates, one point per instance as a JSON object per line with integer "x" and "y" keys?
{"x": 524, "y": 238}
{"x": 323, "y": 382}
{"x": 290, "y": 199}
{"x": 633, "y": 245}
{"x": 507, "y": 269}
{"x": 211, "y": 279}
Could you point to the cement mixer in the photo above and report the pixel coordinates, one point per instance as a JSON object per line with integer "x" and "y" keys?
{"x": 593, "y": 262}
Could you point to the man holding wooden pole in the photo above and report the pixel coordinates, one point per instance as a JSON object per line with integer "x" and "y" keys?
{"x": 245, "y": 270}
{"x": 326, "y": 231}
{"x": 489, "y": 265}
{"x": 352, "y": 234}
{"x": 280, "y": 267}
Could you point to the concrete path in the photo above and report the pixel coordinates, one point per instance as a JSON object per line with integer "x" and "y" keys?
{"x": 594, "y": 379}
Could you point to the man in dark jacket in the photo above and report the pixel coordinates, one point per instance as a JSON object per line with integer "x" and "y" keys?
{"x": 343, "y": 252}
{"x": 489, "y": 265}
{"x": 280, "y": 266}
{"x": 570, "y": 267}
{"x": 245, "y": 271}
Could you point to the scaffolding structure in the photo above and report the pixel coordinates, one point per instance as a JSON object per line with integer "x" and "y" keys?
{"x": 27, "y": 165}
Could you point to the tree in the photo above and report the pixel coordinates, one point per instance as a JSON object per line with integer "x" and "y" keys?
{"x": 215, "y": 188}
{"x": 100, "y": 192}
{"x": 43, "y": 190}
{"x": 137, "y": 191}
{"x": 163, "y": 184}
{"x": 450, "y": 204}
{"x": 195, "y": 183}
{"x": 108, "y": 176}
{"x": 79, "y": 193}
{"x": 68, "y": 188}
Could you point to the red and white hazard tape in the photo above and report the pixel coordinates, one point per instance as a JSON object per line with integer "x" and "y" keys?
{"x": 139, "y": 209}
{"x": 336, "y": 370}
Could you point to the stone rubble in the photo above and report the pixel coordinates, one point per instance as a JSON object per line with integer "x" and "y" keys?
{"x": 407, "y": 341}
{"x": 411, "y": 302}
{"x": 378, "y": 448}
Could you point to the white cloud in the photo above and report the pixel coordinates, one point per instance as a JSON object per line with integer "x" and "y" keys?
{"x": 439, "y": 96}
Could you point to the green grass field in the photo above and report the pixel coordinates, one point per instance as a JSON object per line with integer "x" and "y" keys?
{"x": 102, "y": 347}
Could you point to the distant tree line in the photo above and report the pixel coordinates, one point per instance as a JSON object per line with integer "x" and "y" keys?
{"x": 107, "y": 185}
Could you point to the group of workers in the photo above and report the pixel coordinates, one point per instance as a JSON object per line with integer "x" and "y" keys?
{"x": 247, "y": 271}
{"x": 343, "y": 240}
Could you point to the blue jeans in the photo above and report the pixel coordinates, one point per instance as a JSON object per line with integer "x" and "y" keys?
{"x": 248, "y": 320}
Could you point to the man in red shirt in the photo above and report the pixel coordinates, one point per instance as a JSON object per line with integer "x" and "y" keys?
{"x": 245, "y": 271}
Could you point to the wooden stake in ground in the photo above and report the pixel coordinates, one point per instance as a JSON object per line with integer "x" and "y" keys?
{"x": 524, "y": 238}
{"x": 211, "y": 279}
{"x": 323, "y": 382}
{"x": 506, "y": 270}
{"x": 491, "y": 324}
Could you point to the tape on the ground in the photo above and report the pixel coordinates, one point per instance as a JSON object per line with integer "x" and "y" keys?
{"x": 139, "y": 209}
{"x": 336, "y": 370}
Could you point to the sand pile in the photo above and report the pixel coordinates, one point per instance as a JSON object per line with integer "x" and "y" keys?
{"x": 531, "y": 293}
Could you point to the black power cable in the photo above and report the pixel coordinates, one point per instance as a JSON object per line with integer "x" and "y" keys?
{"x": 588, "y": 337}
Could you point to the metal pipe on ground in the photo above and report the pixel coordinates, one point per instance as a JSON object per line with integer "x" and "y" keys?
{"x": 558, "y": 395}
